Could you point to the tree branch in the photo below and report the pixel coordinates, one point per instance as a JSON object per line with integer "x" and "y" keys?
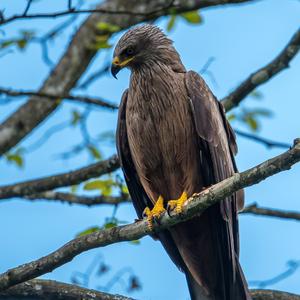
{"x": 56, "y": 97}
{"x": 77, "y": 58}
{"x": 55, "y": 181}
{"x": 262, "y": 211}
{"x": 77, "y": 199}
{"x": 50, "y": 289}
{"x": 195, "y": 206}
{"x": 69, "y": 198}
{"x": 268, "y": 143}
{"x": 161, "y": 10}
{"x": 264, "y": 74}
{"x": 272, "y": 295}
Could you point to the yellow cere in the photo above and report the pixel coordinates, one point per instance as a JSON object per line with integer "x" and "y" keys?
{"x": 116, "y": 61}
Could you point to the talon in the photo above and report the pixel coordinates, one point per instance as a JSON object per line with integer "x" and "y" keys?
{"x": 156, "y": 212}
{"x": 178, "y": 204}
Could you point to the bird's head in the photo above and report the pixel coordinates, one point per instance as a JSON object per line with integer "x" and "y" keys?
{"x": 143, "y": 45}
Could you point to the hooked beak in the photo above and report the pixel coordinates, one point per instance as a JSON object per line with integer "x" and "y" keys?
{"x": 117, "y": 65}
{"x": 115, "y": 70}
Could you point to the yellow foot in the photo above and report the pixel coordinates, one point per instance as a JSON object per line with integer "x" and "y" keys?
{"x": 156, "y": 212}
{"x": 178, "y": 204}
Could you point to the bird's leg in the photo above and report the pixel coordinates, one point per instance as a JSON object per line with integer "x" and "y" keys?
{"x": 156, "y": 211}
{"x": 178, "y": 204}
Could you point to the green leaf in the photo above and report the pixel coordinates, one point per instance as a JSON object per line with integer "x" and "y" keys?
{"x": 104, "y": 186}
{"x": 135, "y": 242}
{"x": 88, "y": 231}
{"x": 76, "y": 117}
{"x": 231, "y": 117}
{"x": 21, "y": 43}
{"x": 256, "y": 94}
{"x": 261, "y": 112}
{"x": 74, "y": 188}
{"x": 15, "y": 158}
{"x": 252, "y": 123}
{"x": 124, "y": 189}
{"x": 94, "y": 152}
{"x": 107, "y": 27}
{"x": 101, "y": 42}
{"x": 171, "y": 23}
{"x": 6, "y": 44}
{"x": 192, "y": 17}
{"x": 110, "y": 224}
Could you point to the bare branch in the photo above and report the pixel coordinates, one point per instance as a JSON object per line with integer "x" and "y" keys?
{"x": 264, "y": 74}
{"x": 292, "y": 267}
{"x": 161, "y": 10}
{"x": 278, "y": 213}
{"x": 50, "y": 289}
{"x": 77, "y": 199}
{"x": 57, "y": 97}
{"x": 272, "y": 295}
{"x": 77, "y": 58}
{"x": 70, "y": 7}
{"x": 195, "y": 206}
{"x": 268, "y": 143}
{"x": 29, "y": 2}
{"x": 55, "y": 181}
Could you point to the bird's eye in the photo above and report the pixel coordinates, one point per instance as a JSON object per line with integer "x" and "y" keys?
{"x": 129, "y": 51}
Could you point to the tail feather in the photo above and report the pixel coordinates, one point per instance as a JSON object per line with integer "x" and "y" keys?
{"x": 197, "y": 292}
{"x": 210, "y": 261}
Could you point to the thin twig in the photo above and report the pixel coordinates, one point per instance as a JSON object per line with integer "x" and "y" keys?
{"x": 194, "y": 206}
{"x": 81, "y": 99}
{"x": 29, "y": 2}
{"x": 266, "y": 142}
{"x": 254, "y": 209}
{"x": 79, "y": 199}
{"x": 292, "y": 267}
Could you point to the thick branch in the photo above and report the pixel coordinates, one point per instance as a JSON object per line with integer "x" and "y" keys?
{"x": 56, "y": 97}
{"x": 273, "y": 295}
{"x": 39, "y": 289}
{"x": 195, "y": 206}
{"x": 264, "y": 74}
{"x": 77, "y": 199}
{"x": 55, "y": 181}
{"x": 77, "y": 58}
{"x": 262, "y": 211}
{"x": 161, "y": 10}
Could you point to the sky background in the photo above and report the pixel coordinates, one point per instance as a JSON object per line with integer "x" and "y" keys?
{"x": 241, "y": 38}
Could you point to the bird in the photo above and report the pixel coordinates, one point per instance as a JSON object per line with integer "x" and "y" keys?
{"x": 173, "y": 140}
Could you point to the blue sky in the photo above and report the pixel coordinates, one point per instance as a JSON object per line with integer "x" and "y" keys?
{"x": 242, "y": 39}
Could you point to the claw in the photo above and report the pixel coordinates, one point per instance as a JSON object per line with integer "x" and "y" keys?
{"x": 156, "y": 212}
{"x": 177, "y": 204}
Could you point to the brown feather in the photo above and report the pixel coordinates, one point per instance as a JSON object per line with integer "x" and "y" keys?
{"x": 173, "y": 136}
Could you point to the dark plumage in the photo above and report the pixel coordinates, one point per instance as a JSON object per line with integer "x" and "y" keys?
{"x": 172, "y": 137}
